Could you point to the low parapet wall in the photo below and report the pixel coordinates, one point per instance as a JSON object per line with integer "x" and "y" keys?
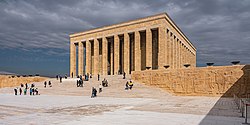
{"x": 8, "y": 81}
{"x": 203, "y": 81}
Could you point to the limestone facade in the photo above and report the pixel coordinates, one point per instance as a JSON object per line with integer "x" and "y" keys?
{"x": 205, "y": 81}
{"x": 150, "y": 43}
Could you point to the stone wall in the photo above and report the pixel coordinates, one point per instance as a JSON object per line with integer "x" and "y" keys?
{"x": 8, "y": 81}
{"x": 204, "y": 81}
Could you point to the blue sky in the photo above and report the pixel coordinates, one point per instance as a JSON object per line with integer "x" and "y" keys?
{"x": 34, "y": 34}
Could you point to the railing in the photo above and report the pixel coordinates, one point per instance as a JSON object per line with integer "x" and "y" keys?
{"x": 243, "y": 105}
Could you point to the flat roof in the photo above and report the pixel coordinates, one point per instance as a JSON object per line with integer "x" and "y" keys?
{"x": 160, "y": 15}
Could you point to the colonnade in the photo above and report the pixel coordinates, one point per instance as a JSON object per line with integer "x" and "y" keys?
{"x": 155, "y": 48}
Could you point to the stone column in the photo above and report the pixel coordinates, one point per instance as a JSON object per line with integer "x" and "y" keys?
{"x": 192, "y": 59}
{"x": 112, "y": 57}
{"x": 179, "y": 54}
{"x": 162, "y": 47}
{"x": 104, "y": 56}
{"x": 80, "y": 58}
{"x": 167, "y": 51}
{"x": 189, "y": 57}
{"x": 195, "y": 59}
{"x": 116, "y": 54}
{"x": 72, "y": 58}
{"x": 96, "y": 57}
{"x": 126, "y": 53}
{"x": 88, "y": 56}
{"x": 179, "y": 46}
{"x": 186, "y": 55}
{"x": 137, "y": 51}
{"x": 182, "y": 55}
{"x": 174, "y": 53}
{"x": 171, "y": 51}
{"x": 149, "y": 48}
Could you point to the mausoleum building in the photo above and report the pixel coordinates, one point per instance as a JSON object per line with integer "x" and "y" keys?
{"x": 150, "y": 43}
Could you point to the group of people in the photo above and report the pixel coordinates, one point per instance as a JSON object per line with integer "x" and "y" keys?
{"x": 129, "y": 85}
{"x": 23, "y": 90}
{"x": 87, "y": 76}
{"x": 60, "y": 77}
{"x": 34, "y": 91}
{"x": 105, "y": 82}
{"x": 49, "y": 84}
{"x": 94, "y": 91}
{"x": 79, "y": 83}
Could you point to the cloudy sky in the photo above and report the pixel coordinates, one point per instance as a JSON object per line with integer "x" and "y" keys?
{"x": 34, "y": 34}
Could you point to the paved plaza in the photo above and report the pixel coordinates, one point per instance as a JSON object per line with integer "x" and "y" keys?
{"x": 65, "y": 104}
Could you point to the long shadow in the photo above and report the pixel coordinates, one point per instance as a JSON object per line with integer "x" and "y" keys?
{"x": 225, "y": 110}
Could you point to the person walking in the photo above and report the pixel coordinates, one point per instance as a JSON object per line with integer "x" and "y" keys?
{"x": 15, "y": 91}
{"x": 26, "y": 86}
{"x": 33, "y": 91}
{"x": 20, "y": 90}
{"x": 124, "y": 75}
{"x": 94, "y": 91}
{"x": 25, "y": 91}
{"x": 30, "y": 91}
{"x": 100, "y": 88}
{"x": 98, "y": 76}
{"x": 45, "y": 83}
{"x": 60, "y": 79}
{"x": 50, "y": 84}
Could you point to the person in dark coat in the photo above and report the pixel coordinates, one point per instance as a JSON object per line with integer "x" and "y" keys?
{"x": 26, "y": 86}
{"x": 98, "y": 77}
{"x": 127, "y": 86}
{"x": 33, "y": 91}
{"x": 24, "y": 91}
{"x": 94, "y": 91}
{"x": 30, "y": 91}
{"x": 20, "y": 90}
{"x": 60, "y": 79}
{"x": 50, "y": 84}
{"x": 77, "y": 83}
{"x": 15, "y": 90}
{"x": 124, "y": 75}
{"x": 45, "y": 83}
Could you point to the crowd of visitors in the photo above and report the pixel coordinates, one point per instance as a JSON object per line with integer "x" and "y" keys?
{"x": 79, "y": 83}
{"x": 23, "y": 90}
